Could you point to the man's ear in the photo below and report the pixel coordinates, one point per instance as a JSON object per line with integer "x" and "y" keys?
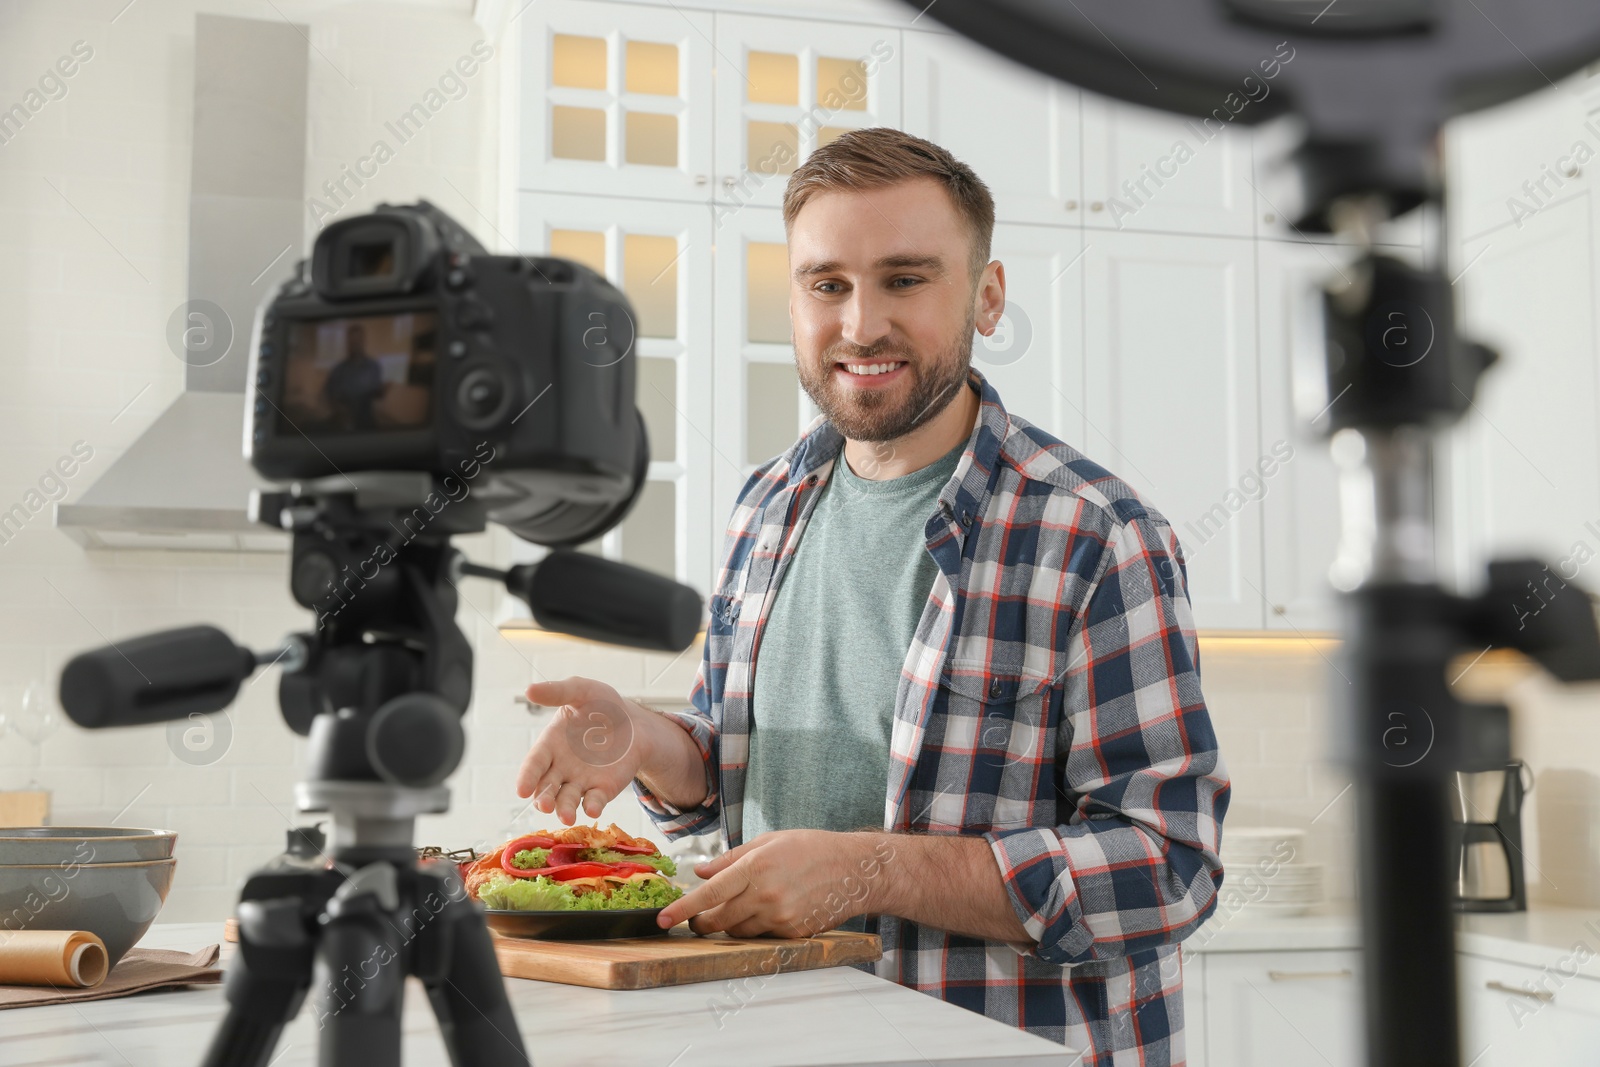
{"x": 990, "y": 297}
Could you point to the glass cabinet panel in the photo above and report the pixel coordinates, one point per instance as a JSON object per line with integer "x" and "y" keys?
{"x": 767, "y": 292}
{"x": 578, "y": 62}
{"x": 650, "y": 67}
{"x": 650, "y": 278}
{"x": 772, "y": 410}
{"x": 657, "y": 396}
{"x": 585, "y": 246}
{"x": 842, "y": 84}
{"x": 649, "y": 533}
{"x": 773, "y": 78}
{"x": 650, "y": 139}
{"x": 578, "y": 133}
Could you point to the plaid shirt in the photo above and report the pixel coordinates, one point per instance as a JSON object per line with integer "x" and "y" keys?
{"x": 1050, "y": 702}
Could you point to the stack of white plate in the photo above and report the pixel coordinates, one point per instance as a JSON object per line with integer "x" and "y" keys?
{"x": 1265, "y": 870}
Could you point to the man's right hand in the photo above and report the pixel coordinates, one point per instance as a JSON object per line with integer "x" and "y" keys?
{"x": 595, "y": 746}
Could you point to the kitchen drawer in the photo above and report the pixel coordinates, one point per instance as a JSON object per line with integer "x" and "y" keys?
{"x": 1266, "y": 1009}
{"x": 1514, "y": 1015}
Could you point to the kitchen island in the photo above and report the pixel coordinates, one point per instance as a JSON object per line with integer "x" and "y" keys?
{"x": 835, "y": 1016}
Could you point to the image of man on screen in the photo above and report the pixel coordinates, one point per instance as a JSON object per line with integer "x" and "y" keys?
{"x": 354, "y": 384}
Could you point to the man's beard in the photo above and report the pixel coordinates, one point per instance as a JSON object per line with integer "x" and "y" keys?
{"x": 868, "y": 415}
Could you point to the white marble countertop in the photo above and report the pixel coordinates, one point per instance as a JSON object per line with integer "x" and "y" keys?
{"x": 1542, "y": 936}
{"x": 835, "y": 1016}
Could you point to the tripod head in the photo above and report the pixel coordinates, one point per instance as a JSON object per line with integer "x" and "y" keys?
{"x": 382, "y": 682}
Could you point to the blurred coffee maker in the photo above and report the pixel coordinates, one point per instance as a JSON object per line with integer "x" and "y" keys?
{"x": 1488, "y": 810}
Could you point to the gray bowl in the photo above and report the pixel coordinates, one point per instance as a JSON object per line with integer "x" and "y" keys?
{"x": 83, "y": 844}
{"x": 115, "y": 901}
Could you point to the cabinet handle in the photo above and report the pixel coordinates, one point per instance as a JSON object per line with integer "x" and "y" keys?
{"x": 1296, "y": 976}
{"x": 1543, "y": 996}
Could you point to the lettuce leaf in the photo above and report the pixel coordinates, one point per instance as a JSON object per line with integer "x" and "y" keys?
{"x": 660, "y": 862}
{"x": 532, "y": 858}
{"x": 505, "y": 893}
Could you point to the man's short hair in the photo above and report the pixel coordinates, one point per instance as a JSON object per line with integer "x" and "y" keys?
{"x": 880, "y": 156}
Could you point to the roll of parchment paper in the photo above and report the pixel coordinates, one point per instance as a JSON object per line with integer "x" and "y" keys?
{"x": 60, "y": 958}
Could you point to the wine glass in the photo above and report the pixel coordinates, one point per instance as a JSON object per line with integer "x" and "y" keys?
{"x": 35, "y": 716}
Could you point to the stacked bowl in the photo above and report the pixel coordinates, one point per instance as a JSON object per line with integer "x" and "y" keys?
{"x": 109, "y": 880}
{"x": 1265, "y": 866}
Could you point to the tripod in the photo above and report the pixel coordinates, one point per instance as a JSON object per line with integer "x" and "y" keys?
{"x": 379, "y": 687}
{"x": 389, "y": 657}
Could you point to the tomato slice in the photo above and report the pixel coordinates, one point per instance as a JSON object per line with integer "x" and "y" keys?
{"x": 591, "y": 869}
{"x": 522, "y": 844}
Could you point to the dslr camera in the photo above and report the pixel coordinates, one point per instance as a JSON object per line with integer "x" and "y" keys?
{"x": 403, "y": 345}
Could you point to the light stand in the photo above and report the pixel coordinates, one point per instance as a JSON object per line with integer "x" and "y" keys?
{"x": 1370, "y": 84}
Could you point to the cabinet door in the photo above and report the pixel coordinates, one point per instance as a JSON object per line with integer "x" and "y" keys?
{"x": 785, "y": 86}
{"x": 760, "y": 406}
{"x": 1508, "y": 164}
{"x": 616, "y": 98}
{"x": 1170, "y": 368}
{"x": 1299, "y": 486}
{"x": 1023, "y": 142}
{"x": 660, "y": 256}
{"x": 1514, "y": 1015}
{"x": 1147, "y": 170}
{"x": 1035, "y": 358}
{"x": 1266, "y": 1009}
{"x": 1526, "y": 461}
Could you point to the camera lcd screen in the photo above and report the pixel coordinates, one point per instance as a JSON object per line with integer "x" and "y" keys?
{"x": 364, "y": 374}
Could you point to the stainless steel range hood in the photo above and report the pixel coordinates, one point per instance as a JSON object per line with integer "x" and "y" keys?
{"x": 182, "y": 484}
{"x": 185, "y": 483}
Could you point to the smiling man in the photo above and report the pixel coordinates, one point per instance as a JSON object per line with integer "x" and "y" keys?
{"x": 950, "y": 688}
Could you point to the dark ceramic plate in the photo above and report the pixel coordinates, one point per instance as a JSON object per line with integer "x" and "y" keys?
{"x": 577, "y": 925}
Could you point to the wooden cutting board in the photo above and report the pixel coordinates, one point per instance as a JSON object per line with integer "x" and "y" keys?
{"x": 677, "y": 958}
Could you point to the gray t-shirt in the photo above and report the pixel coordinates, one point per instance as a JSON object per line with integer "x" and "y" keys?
{"x": 828, "y": 667}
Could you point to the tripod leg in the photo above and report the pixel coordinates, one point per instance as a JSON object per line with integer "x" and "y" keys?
{"x": 266, "y": 982}
{"x": 361, "y": 990}
{"x": 465, "y": 987}
{"x": 258, "y": 1009}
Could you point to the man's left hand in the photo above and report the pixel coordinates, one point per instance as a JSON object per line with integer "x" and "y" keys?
{"x": 790, "y": 883}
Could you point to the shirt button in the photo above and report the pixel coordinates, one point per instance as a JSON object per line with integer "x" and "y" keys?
{"x": 995, "y": 688}
{"x": 966, "y": 518}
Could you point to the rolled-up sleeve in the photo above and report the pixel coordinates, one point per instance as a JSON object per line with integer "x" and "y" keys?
{"x": 674, "y": 821}
{"x": 1134, "y": 865}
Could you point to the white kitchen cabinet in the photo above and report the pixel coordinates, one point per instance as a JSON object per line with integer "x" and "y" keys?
{"x": 1514, "y": 1015}
{"x": 616, "y": 99}
{"x": 785, "y": 86}
{"x": 1525, "y": 466}
{"x": 1299, "y": 499}
{"x": 1150, "y": 171}
{"x": 660, "y": 255}
{"x": 1023, "y": 141}
{"x": 760, "y": 406}
{"x": 1172, "y": 408}
{"x": 1505, "y": 165}
{"x": 1035, "y": 358}
{"x": 1267, "y": 1009}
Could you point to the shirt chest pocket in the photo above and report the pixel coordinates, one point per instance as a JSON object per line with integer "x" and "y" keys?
{"x": 1004, "y": 723}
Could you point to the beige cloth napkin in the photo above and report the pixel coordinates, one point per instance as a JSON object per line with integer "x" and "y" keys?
{"x": 139, "y": 970}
